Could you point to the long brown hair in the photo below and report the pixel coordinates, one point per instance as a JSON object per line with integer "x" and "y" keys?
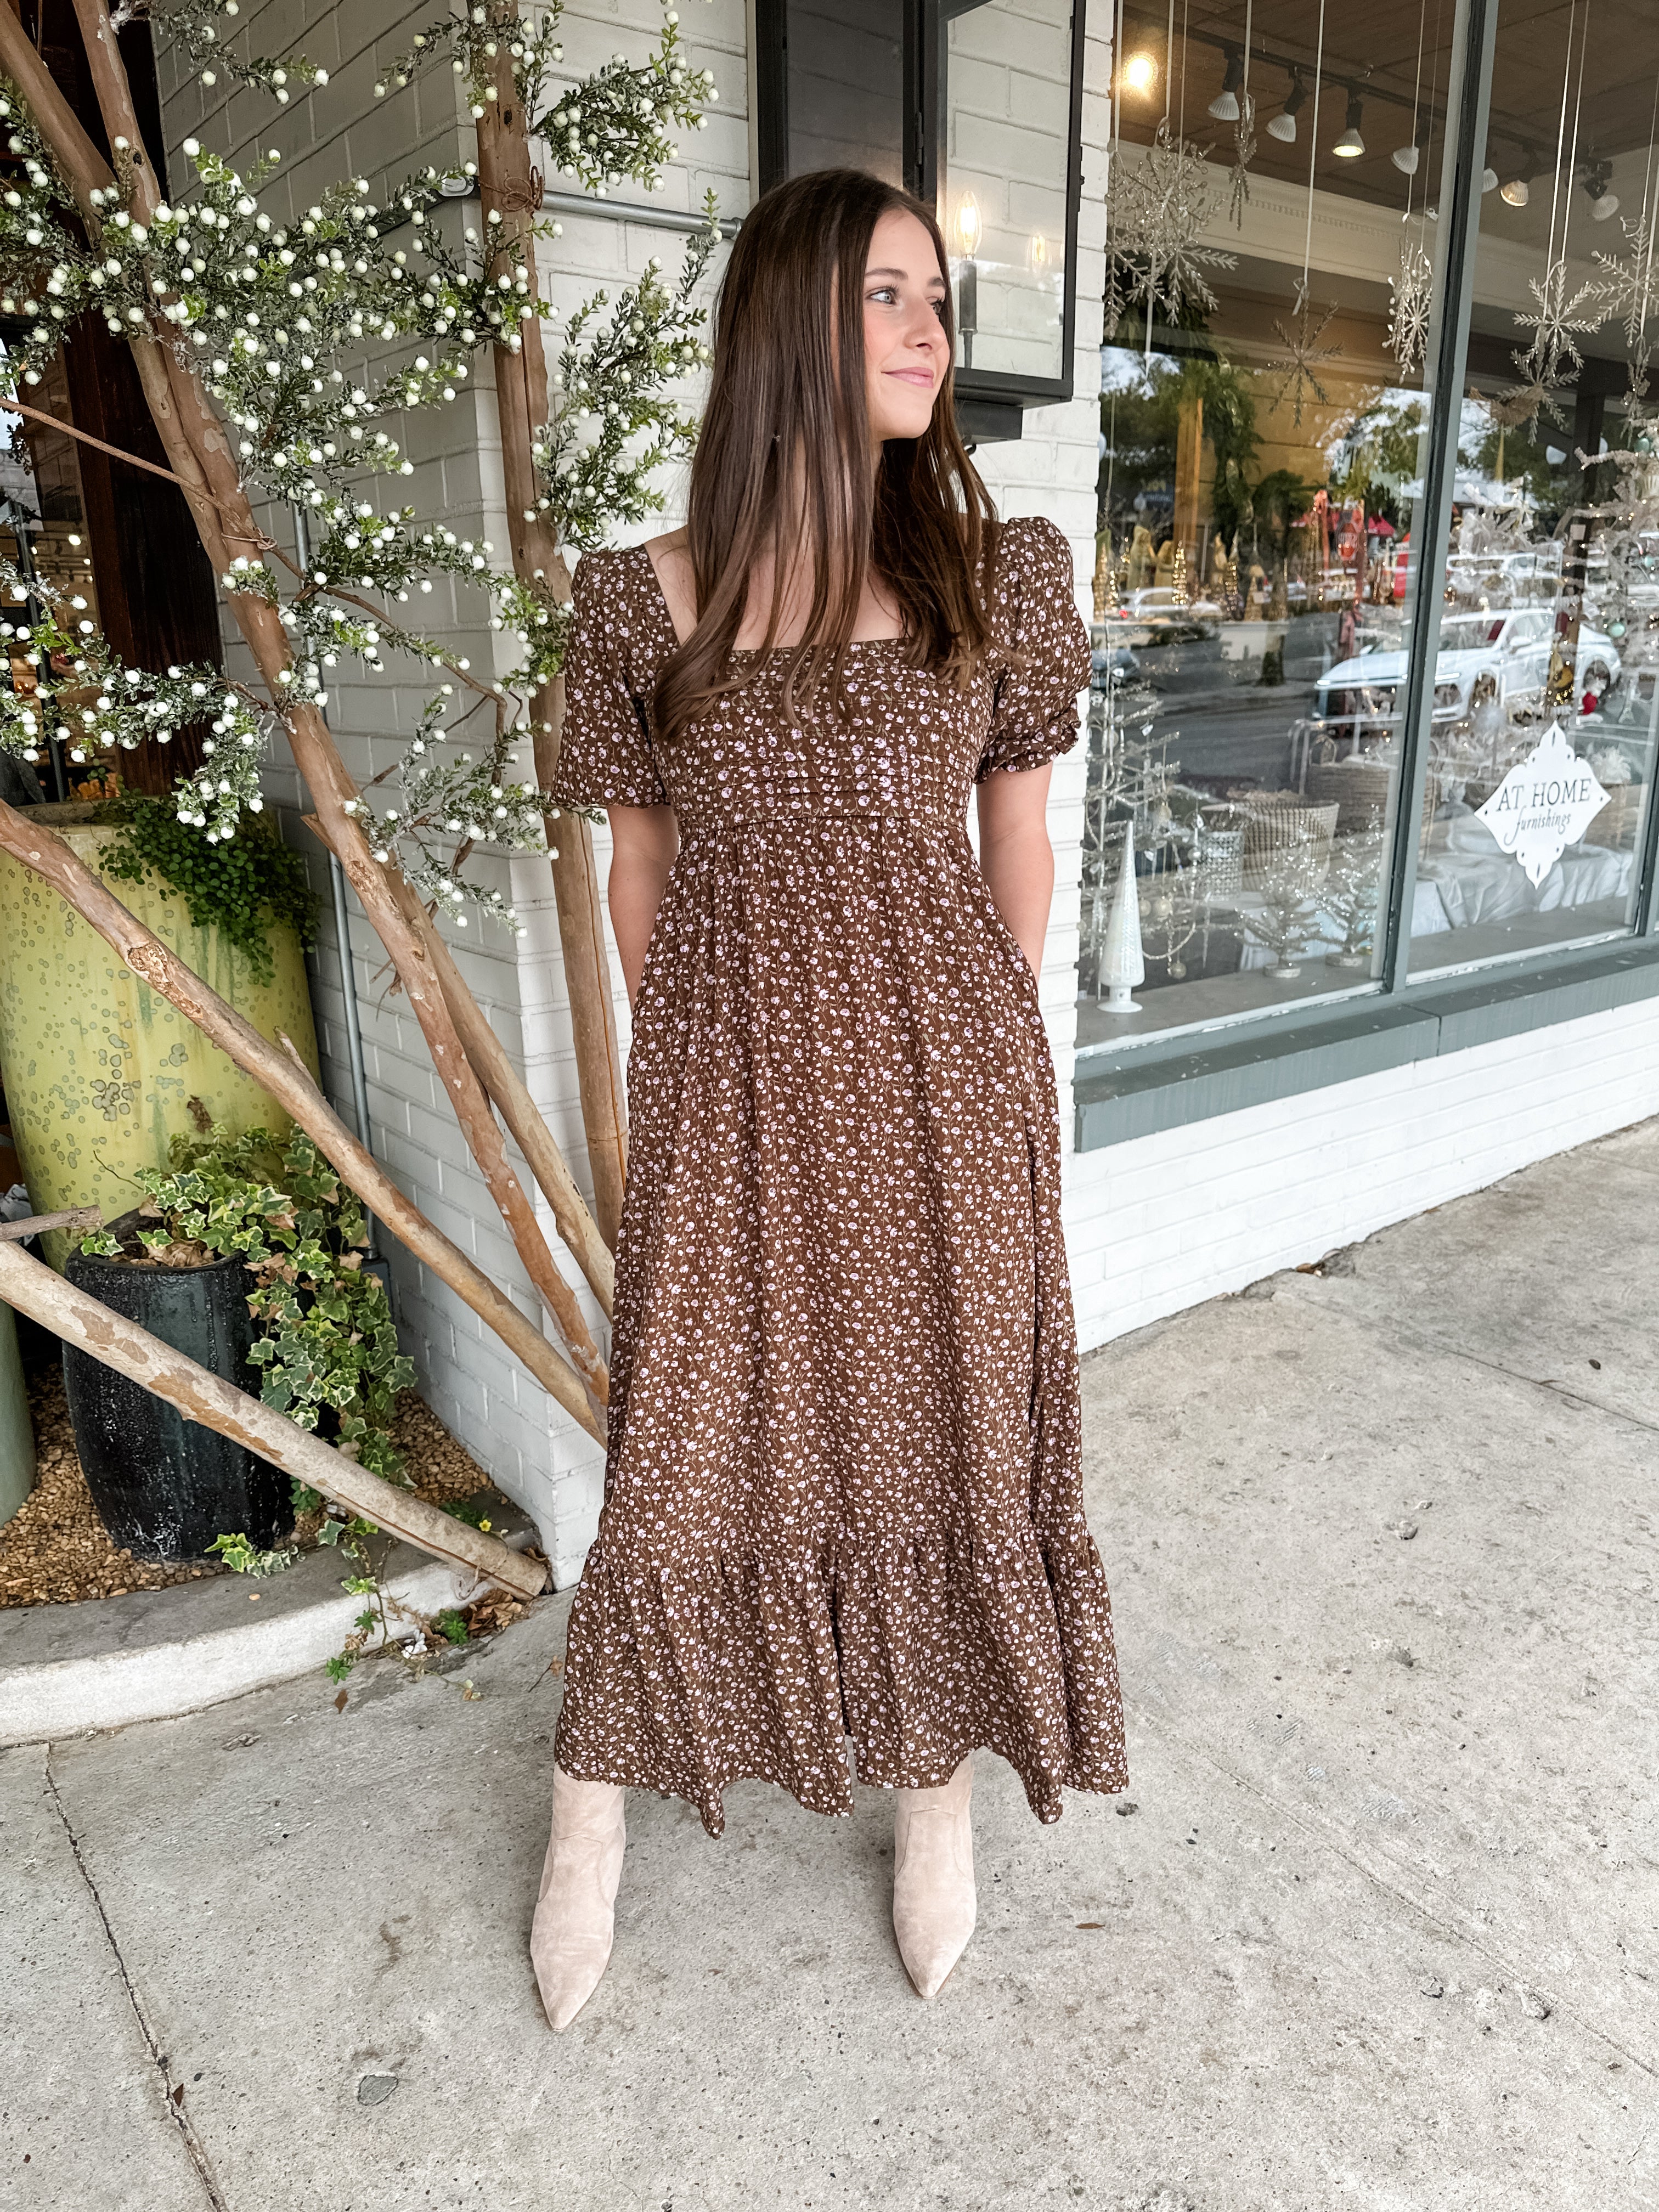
{"x": 786, "y": 421}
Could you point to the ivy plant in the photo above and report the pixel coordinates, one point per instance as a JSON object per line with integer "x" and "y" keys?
{"x": 327, "y": 1335}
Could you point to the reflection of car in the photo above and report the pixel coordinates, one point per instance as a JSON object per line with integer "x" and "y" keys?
{"x": 1157, "y": 616}
{"x": 1511, "y": 644}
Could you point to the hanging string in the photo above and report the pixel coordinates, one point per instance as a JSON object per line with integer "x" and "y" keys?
{"x": 1416, "y": 88}
{"x": 1578, "y": 109}
{"x": 1181, "y": 128}
{"x": 1244, "y": 90}
{"x": 1313, "y": 149}
{"x": 1169, "y": 66}
{"x": 1561, "y": 133}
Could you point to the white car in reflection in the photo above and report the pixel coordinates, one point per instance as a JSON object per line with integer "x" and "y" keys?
{"x": 1511, "y": 644}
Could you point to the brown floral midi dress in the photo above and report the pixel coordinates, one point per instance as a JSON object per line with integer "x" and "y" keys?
{"x": 844, "y": 1492}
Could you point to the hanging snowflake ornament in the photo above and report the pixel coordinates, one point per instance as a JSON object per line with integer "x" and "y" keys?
{"x": 1553, "y": 357}
{"x": 1244, "y": 155}
{"x": 1626, "y": 286}
{"x": 1535, "y": 395}
{"x": 1412, "y": 291}
{"x": 1299, "y": 371}
{"x": 1157, "y": 208}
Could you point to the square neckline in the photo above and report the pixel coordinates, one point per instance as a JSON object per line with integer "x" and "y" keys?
{"x": 738, "y": 652}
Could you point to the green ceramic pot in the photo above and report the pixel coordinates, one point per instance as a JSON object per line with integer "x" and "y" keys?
{"x": 98, "y": 1068}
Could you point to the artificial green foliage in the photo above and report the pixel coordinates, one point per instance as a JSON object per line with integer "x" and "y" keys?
{"x": 327, "y": 1337}
{"x": 241, "y": 884}
{"x": 316, "y": 331}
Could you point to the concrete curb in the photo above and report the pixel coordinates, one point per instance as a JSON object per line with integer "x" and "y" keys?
{"x": 155, "y": 1654}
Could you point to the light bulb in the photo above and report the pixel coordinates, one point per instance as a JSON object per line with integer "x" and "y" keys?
{"x": 1225, "y": 106}
{"x": 1604, "y": 206}
{"x": 1489, "y": 180}
{"x": 1140, "y": 74}
{"x": 1350, "y": 146}
{"x": 1283, "y": 126}
{"x": 1518, "y": 191}
{"x": 971, "y": 227}
{"x": 1405, "y": 160}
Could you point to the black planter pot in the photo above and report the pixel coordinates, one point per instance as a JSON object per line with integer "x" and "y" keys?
{"x": 167, "y": 1487}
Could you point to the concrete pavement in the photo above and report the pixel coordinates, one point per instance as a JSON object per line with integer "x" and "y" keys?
{"x": 1378, "y": 1932}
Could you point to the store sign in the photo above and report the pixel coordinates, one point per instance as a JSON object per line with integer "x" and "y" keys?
{"x": 1545, "y": 803}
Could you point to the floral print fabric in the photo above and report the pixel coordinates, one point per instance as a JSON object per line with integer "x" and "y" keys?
{"x": 843, "y": 1493}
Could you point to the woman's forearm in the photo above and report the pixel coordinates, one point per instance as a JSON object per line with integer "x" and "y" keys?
{"x": 644, "y": 842}
{"x": 1015, "y": 855}
{"x": 1020, "y": 871}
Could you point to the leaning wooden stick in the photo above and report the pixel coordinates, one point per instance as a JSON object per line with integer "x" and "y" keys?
{"x": 78, "y": 1217}
{"x": 286, "y": 1077}
{"x": 32, "y": 1287}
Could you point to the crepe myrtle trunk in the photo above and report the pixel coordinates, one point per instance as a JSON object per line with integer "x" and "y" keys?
{"x": 510, "y": 187}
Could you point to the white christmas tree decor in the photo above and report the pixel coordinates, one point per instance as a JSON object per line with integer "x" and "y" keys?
{"x": 1121, "y": 966}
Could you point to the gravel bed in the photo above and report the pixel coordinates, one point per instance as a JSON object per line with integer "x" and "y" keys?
{"x": 55, "y": 1549}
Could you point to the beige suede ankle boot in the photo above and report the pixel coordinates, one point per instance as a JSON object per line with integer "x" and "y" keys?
{"x": 570, "y": 1937}
{"x": 933, "y": 1903}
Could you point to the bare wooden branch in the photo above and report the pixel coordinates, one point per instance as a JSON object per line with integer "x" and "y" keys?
{"x": 518, "y": 1110}
{"x": 35, "y": 1224}
{"x": 284, "y": 1075}
{"x": 509, "y": 188}
{"x": 33, "y": 1288}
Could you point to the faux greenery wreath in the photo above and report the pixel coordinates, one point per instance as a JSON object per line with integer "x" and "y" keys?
{"x": 244, "y": 882}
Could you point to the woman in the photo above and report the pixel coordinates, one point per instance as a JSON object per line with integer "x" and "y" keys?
{"x": 844, "y": 1492}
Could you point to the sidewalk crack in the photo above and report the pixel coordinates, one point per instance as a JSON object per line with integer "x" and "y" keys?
{"x": 172, "y": 2097}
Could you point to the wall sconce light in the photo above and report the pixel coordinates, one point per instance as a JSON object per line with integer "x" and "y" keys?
{"x": 1351, "y": 145}
{"x": 1225, "y": 106}
{"x": 1283, "y": 126}
{"x": 971, "y": 230}
{"x": 1139, "y": 75}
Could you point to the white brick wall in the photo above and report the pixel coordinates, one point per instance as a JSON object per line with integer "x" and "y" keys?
{"x": 1164, "y": 1221}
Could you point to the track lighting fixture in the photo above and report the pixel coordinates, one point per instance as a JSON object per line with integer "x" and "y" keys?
{"x": 1225, "y": 106}
{"x": 1282, "y": 125}
{"x": 1351, "y": 145}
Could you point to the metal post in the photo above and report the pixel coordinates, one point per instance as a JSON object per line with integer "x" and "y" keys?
{"x": 1474, "y": 37}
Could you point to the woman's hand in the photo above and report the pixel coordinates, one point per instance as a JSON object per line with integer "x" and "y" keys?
{"x": 1014, "y": 856}
{"x": 644, "y": 840}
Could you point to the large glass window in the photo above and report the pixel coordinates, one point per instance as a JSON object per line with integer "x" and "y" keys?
{"x": 1271, "y": 265}
{"x": 1542, "y": 741}
{"x": 1275, "y": 239}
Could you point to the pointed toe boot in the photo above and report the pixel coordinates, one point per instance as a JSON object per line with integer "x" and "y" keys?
{"x": 570, "y": 1937}
{"x": 934, "y": 1906}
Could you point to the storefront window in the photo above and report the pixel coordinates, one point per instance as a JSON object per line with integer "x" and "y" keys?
{"x": 1542, "y": 744}
{"x": 1263, "y": 445}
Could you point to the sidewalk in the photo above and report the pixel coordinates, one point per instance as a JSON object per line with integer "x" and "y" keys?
{"x": 1376, "y": 1927}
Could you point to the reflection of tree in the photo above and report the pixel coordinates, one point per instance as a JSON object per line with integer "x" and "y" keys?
{"x": 1516, "y": 453}
{"x": 1141, "y": 420}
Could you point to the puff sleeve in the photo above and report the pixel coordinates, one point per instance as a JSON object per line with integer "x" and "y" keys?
{"x": 1034, "y": 616}
{"x": 604, "y": 759}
